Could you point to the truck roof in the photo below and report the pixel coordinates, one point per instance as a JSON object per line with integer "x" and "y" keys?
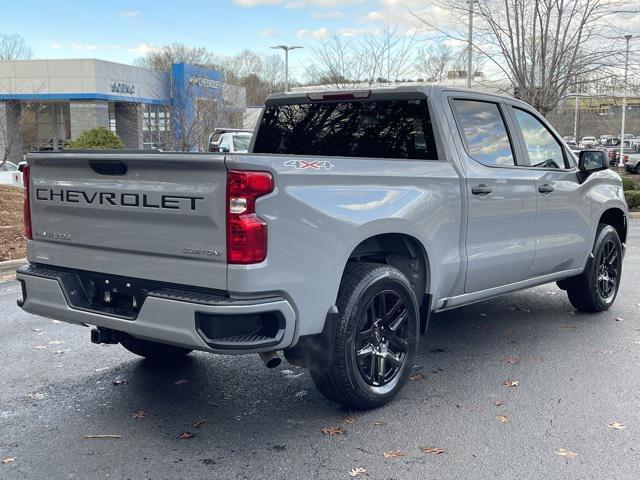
{"x": 378, "y": 93}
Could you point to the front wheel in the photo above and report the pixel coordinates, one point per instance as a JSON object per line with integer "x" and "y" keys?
{"x": 596, "y": 288}
{"x": 159, "y": 352}
{"x": 375, "y": 340}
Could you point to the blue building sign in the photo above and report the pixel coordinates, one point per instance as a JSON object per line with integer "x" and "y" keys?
{"x": 190, "y": 83}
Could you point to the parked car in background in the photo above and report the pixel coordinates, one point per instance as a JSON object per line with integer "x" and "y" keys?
{"x": 632, "y": 163}
{"x": 230, "y": 140}
{"x": 604, "y": 139}
{"x": 588, "y": 142}
{"x": 573, "y": 146}
{"x": 10, "y": 175}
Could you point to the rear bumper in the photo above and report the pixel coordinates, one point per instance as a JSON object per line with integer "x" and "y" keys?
{"x": 169, "y": 316}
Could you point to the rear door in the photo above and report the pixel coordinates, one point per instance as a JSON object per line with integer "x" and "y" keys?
{"x": 157, "y": 216}
{"x": 563, "y": 234}
{"x": 501, "y": 198}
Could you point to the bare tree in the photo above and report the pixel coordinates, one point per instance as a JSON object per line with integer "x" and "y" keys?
{"x": 13, "y": 47}
{"x": 163, "y": 58}
{"x": 434, "y": 62}
{"x": 260, "y": 75}
{"x": 540, "y": 46}
{"x": 381, "y": 56}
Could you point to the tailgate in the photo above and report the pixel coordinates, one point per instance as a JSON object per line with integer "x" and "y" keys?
{"x": 158, "y": 216}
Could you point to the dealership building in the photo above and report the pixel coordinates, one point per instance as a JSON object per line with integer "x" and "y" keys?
{"x": 44, "y": 104}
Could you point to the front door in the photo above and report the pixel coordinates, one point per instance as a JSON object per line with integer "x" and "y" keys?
{"x": 563, "y": 235}
{"x": 501, "y": 199}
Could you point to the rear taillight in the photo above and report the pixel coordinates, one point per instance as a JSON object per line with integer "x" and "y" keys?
{"x": 26, "y": 206}
{"x": 246, "y": 232}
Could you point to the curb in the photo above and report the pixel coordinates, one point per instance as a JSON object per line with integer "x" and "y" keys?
{"x": 634, "y": 215}
{"x": 10, "y": 265}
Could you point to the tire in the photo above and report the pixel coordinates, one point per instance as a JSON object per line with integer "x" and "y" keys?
{"x": 159, "y": 352}
{"x": 373, "y": 352}
{"x": 595, "y": 290}
{"x": 637, "y": 170}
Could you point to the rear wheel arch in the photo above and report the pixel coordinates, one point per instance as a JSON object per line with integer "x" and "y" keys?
{"x": 400, "y": 250}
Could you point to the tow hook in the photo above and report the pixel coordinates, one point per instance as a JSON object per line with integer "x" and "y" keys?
{"x": 270, "y": 359}
{"x": 104, "y": 335}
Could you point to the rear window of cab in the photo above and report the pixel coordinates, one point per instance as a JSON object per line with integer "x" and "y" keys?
{"x": 394, "y": 129}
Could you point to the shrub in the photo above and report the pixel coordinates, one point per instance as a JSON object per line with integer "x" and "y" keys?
{"x": 97, "y": 139}
{"x": 628, "y": 183}
{"x": 633, "y": 198}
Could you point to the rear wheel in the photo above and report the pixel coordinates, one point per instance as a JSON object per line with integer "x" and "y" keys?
{"x": 152, "y": 350}
{"x": 596, "y": 288}
{"x": 375, "y": 340}
{"x": 638, "y": 168}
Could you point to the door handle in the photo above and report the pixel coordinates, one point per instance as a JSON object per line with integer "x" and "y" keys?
{"x": 546, "y": 188}
{"x": 481, "y": 189}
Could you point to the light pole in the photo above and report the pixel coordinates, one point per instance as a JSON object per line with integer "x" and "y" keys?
{"x": 575, "y": 118}
{"x": 624, "y": 102}
{"x": 286, "y": 49}
{"x": 470, "y": 44}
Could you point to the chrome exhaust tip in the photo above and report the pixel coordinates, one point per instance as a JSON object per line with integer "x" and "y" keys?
{"x": 270, "y": 359}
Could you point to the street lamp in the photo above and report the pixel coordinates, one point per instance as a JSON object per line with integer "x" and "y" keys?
{"x": 470, "y": 43}
{"x": 624, "y": 102}
{"x": 286, "y": 49}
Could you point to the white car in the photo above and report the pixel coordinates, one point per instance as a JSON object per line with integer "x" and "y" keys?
{"x": 588, "y": 141}
{"x": 230, "y": 140}
{"x": 9, "y": 174}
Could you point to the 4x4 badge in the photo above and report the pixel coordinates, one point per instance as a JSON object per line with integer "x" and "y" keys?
{"x": 309, "y": 164}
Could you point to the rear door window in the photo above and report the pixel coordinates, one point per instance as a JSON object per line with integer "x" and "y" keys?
{"x": 398, "y": 129}
{"x": 484, "y": 132}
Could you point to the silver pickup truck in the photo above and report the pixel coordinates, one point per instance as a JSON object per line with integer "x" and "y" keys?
{"x": 355, "y": 215}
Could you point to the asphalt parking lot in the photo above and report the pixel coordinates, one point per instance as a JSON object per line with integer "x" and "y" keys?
{"x": 575, "y": 378}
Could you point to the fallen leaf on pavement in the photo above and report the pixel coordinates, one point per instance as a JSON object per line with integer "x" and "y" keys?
{"x": 510, "y": 383}
{"x": 566, "y": 453}
{"x": 348, "y": 420}
{"x": 394, "y": 454}
{"x": 503, "y": 418}
{"x": 432, "y": 450}
{"x": 618, "y": 319}
{"x": 35, "y": 396}
{"x": 36, "y": 330}
{"x": 498, "y": 403}
{"x": 416, "y": 376}
{"x": 60, "y": 352}
{"x": 40, "y": 347}
{"x": 119, "y": 382}
{"x": 185, "y": 435}
{"x": 200, "y": 423}
{"x": 378, "y": 424}
{"x": 354, "y": 472}
{"x": 8, "y": 459}
{"x": 182, "y": 381}
{"x": 102, "y": 436}
{"x": 139, "y": 414}
{"x": 616, "y": 426}
{"x": 332, "y": 430}
{"x": 512, "y": 359}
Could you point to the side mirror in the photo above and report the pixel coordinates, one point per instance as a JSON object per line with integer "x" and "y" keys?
{"x": 590, "y": 161}
{"x": 223, "y": 149}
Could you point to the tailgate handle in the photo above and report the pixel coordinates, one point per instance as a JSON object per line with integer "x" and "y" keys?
{"x": 108, "y": 167}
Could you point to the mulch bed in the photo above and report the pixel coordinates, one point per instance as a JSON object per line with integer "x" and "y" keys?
{"x": 12, "y": 242}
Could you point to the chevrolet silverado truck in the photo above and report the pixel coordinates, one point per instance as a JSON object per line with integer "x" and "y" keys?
{"x": 354, "y": 216}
